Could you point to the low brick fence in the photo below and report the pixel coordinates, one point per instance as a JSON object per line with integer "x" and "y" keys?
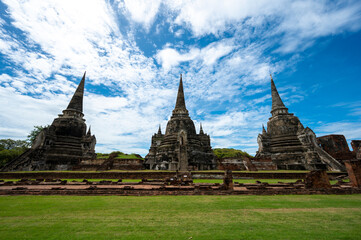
{"x": 177, "y": 191}
{"x": 156, "y": 175}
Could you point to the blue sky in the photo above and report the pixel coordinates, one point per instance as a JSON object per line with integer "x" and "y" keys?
{"x": 133, "y": 52}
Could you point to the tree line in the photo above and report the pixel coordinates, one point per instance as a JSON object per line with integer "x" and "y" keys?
{"x": 11, "y": 149}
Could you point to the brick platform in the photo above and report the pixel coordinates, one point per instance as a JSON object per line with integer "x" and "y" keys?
{"x": 157, "y": 175}
{"x": 57, "y": 187}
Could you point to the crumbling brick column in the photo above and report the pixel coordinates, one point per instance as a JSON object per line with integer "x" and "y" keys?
{"x": 356, "y": 146}
{"x": 354, "y": 172}
{"x": 317, "y": 179}
{"x": 228, "y": 180}
{"x": 249, "y": 165}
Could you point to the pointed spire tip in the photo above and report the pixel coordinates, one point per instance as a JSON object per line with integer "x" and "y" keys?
{"x": 159, "y": 130}
{"x": 277, "y": 102}
{"x": 200, "y": 128}
{"x": 180, "y": 103}
{"x": 76, "y": 102}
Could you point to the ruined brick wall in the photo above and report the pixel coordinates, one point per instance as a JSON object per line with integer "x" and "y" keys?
{"x": 244, "y": 163}
{"x": 336, "y": 146}
{"x": 263, "y": 163}
{"x": 114, "y": 164}
{"x": 128, "y": 164}
{"x": 356, "y": 146}
{"x": 154, "y": 175}
{"x": 317, "y": 179}
{"x": 354, "y": 172}
{"x": 231, "y": 164}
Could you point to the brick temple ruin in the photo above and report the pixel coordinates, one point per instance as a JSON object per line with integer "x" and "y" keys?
{"x": 356, "y": 147}
{"x": 336, "y": 145}
{"x": 110, "y": 162}
{"x": 63, "y": 144}
{"x": 181, "y": 183}
{"x": 286, "y": 144}
{"x": 289, "y": 144}
{"x": 180, "y": 148}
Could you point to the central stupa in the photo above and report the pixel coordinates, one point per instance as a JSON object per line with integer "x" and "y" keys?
{"x": 180, "y": 148}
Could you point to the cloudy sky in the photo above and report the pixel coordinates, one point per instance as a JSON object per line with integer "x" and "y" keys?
{"x": 133, "y": 52}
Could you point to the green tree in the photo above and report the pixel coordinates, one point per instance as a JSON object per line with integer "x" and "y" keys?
{"x": 9, "y": 144}
{"x": 10, "y": 149}
{"x": 230, "y": 152}
{"x": 35, "y": 132}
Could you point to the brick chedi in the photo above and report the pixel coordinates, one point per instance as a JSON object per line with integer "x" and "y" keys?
{"x": 180, "y": 148}
{"x": 289, "y": 144}
{"x": 63, "y": 144}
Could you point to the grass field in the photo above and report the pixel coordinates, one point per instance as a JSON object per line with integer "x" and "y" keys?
{"x": 181, "y": 217}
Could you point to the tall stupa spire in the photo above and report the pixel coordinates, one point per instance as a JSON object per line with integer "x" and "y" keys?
{"x": 263, "y": 130}
{"x": 200, "y": 129}
{"x": 159, "y": 130}
{"x": 276, "y": 99}
{"x": 76, "y": 102}
{"x": 180, "y": 106}
{"x": 180, "y": 97}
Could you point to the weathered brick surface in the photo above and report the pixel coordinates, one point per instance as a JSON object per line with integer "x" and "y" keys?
{"x": 228, "y": 180}
{"x": 231, "y": 163}
{"x": 356, "y": 146}
{"x": 154, "y": 175}
{"x": 317, "y": 179}
{"x": 260, "y": 189}
{"x": 164, "y": 187}
{"x": 354, "y": 172}
{"x": 336, "y": 146}
{"x": 263, "y": 163}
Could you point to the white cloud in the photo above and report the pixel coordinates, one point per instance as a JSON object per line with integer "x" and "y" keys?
{"x": 299, "y": 22}
{"x": 179, "y": 33}
{"x": 59, "y": 40}
{"x": 170, "y": 57}
{"x": 306, "y": 21}
{"x": 212, "y": 16}
{"x": 65, "y": 40}
{"x": 351, "y": 130}
{"x": 142, "y": 11}
{"x": 237, "y": 128}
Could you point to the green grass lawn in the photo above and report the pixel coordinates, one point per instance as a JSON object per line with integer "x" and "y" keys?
{"x": 244, "y": 180}
{"x": 181, "y": 217}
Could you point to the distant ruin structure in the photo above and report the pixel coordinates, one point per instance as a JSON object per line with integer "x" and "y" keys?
{"x": 356, "y": 147}
{"x": 63, "y": 144}
{"x": 288, "y": 144}
{"x": 336, "y": 145}
{"x": 354, "y": 172}
{"x": 180, "y": 148}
